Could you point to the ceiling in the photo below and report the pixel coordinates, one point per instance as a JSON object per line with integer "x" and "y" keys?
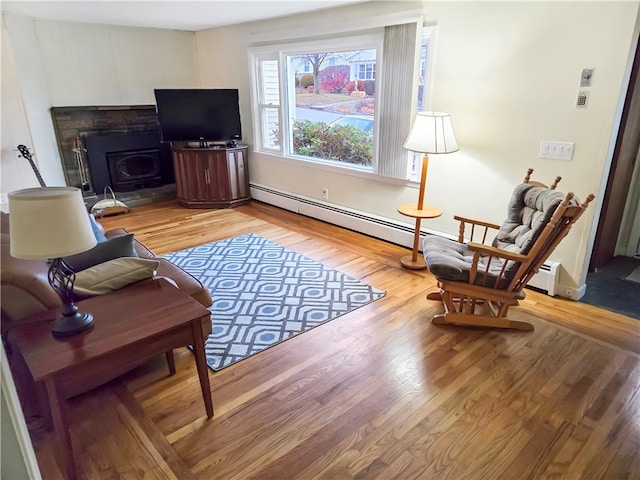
{"x": 180, "y": 15}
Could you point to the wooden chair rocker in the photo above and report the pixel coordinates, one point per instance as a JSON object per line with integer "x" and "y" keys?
{"x": 478, "y": 283}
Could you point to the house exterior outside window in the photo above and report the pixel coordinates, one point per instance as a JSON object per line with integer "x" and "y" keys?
{"x": 363, "y": 66}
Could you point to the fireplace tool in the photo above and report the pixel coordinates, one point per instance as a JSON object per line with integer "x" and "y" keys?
{"x": 79, "y": 152}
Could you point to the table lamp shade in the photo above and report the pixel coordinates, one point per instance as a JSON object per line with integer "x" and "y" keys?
{"x": 49, "y": 222}
{"x": 432, "y": 133}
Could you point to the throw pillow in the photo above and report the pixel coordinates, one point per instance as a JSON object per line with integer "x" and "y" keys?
{"x": 113, "y": 275}
{"x": 103, "y": 252}
{"x": 97, "y": 229}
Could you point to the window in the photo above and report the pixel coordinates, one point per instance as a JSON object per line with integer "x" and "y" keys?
{"x": 315, "y": 132}
{"x": 423, "y": 74}
{"x": 325, "y": 116}
{"x": 332, "y": 114}
{"x": 367, "y": 71}
{"x": 268, "y": 102}
{"x": 415, "y": 159}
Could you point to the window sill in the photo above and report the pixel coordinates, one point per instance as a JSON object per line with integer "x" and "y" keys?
{"x": 326, "y": 167}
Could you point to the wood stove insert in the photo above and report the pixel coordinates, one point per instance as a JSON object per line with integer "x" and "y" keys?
{"x": 129, "y": 161}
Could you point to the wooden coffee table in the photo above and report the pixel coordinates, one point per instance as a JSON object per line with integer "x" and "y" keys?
{"x": 130, "y": 326}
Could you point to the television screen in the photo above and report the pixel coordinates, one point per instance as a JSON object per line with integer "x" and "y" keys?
{"x": 211, "y": 115}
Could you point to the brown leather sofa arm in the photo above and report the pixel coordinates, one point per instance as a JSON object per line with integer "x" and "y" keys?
{"x": 25, "y": 289}
{"x": 183, "y": 280}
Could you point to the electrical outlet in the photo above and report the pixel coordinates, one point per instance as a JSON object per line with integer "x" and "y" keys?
{"x": 571, "y": 293}
{"x": 325, "y": 193}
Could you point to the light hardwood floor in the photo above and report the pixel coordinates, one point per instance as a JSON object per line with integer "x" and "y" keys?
{"x": 378, "y": 393}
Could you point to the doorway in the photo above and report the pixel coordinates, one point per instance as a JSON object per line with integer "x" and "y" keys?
{"x": 623, "y": 166}
{"x": 616, "y": 247}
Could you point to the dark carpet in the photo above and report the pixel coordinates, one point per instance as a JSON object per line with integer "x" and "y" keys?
{"x": 609, "y": 289}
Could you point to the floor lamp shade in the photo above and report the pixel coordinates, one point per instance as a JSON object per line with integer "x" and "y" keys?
{"x": 49, "y": 222}
{"x": 432, "y": 133}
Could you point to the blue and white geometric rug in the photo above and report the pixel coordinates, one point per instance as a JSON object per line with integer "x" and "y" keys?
{"x": 264, "y": 294}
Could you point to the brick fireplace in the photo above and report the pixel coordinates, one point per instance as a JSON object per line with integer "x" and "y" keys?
{"x": 119, "y": 147}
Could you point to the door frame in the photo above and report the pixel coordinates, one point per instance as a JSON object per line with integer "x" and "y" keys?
{"x": 621, "y": 171}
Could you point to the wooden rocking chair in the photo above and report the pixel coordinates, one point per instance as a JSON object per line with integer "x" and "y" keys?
{"x": 478, "y": 283}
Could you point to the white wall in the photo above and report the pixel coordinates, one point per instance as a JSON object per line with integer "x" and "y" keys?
{"x": 507, "y": 72}
{"x": 14, "y": 171}
{"x": 74, "y": 64}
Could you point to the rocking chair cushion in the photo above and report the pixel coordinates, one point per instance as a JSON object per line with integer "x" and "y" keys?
{"x": 447, "y": 258}
{"x": 529, "y": 210}
{"x": 451, "y": 260}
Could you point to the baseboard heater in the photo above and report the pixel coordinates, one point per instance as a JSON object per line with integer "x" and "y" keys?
{"x": 547, "y": 278}
{"x": 375, "y": 226}
{"x": 362, "y": 222}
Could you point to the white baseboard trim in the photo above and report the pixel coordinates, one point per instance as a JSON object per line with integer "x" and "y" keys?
{"x": 375, "y": 226}
{"x": 572, "y": 293}
{"x": 367, "y": 223}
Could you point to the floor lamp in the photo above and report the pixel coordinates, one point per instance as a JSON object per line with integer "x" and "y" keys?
{"x": 431, "y": 133}
{"x": 52, "y": 223}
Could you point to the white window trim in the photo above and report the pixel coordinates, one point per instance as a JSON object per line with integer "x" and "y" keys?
{"x": 287, "y": 91}
{"x": 352, "y": 21}
{"x": 256, "y": 105}
{"x": 415, "y": 159}
{"x": 429, "y": 33}
{"x": 345, "y": 42}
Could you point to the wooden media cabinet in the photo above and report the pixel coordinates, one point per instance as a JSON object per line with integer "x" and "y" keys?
{"x": 215, "y": 177}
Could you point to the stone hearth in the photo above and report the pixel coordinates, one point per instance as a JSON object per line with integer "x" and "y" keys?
{"x": 100, "y": 123}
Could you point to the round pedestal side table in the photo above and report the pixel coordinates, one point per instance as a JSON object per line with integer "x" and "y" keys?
{"x": 413, "y": 261}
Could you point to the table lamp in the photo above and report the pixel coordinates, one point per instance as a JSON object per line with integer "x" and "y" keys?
{"x": 431, "y": 133}
{"x": 51, "y": 223}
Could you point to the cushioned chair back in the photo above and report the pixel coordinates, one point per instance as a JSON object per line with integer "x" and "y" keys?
{"x": 529, "y": 210}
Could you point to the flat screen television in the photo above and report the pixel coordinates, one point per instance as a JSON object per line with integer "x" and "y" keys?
{"x": 202, "y": 115}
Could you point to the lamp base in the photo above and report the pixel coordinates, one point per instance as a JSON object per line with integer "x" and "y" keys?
{"x": 67, "y": 325}
{"x": 417, "y": 264}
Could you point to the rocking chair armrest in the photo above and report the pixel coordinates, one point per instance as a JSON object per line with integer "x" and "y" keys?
{"x": 476, "y": 222}
{"x": 479, "y": 223}
{"x": 496, "y": 252}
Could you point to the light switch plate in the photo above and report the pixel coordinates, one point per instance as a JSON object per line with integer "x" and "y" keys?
{"x": 556, "y": 150}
